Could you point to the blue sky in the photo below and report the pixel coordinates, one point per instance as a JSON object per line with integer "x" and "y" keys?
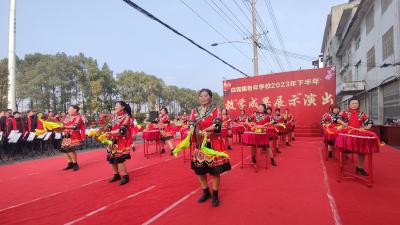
{"x": 112, "y": 32}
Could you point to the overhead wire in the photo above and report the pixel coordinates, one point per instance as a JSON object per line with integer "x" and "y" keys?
{"x": 277, "y": 30}
{"x": 216, "y": 30}
{"x": 151, "y": 16}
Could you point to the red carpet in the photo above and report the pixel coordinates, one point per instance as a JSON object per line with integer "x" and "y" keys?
{"x": 164, "y": 190}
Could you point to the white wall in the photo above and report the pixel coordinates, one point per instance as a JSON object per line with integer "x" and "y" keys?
{"x": 382, "y": 23}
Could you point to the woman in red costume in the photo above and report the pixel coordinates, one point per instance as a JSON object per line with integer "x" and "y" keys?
{"x": 205, "y": 120}
{"x": 167, "y": 134}
{"x": 73, "y": 134}
{"x": 331, "y": 120}
{"x": 261, "y": 119}
{"x": 288, "y": 119}
{"x": 225, "y": 127}
{"x": 134, "y": 131}
{"x": 120, "y": 133}
{"x": 185, "y": 119}
{"x": 242, "y": 119}
{"x": 279, "y": 122}
{"x": 240, "y": 124}
{"x": 354, "y": 118}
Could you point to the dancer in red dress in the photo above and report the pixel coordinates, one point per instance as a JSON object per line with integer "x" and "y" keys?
{"x": 261, "y": 119}
{"x": 327, "y": 118}
{"x": 121, "y": 136}
{"x": 167, "y": 133}
{"x": 134, "y": 131}
{"x": 354, "y": 118}
{"x": 74, "y": 133}
{"x": 288, "y": 119}
{"x": 205, "y": 120}
{"x": 185, "y": 119}
{"x": 279, "y": 122}
{"x": 226, "y": 126}
{"x": 330, "y": 120}
{"x": 242, "y": 119}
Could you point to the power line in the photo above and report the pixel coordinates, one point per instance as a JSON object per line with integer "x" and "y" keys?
{"x": 269, "y": 41}
{"x": 151, "y": 16}
{"x": 234, "y": 16}
{"x": 244, "y": 14}
{"x": 276, "y": 28}
{"x": 263, "y": 55}
{"x": 231, "y": 22}
{"x": 267, "y": 64}
{"x": 223, "y": 36}
{"x": 262, "y": 27}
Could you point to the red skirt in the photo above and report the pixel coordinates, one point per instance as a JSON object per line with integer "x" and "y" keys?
{"x": 271, "y": 131}
{"x": 281, "y": 129}
{"x": 213, "y": 165}
{"x": 119, "y": 151}
{"x": 224, "y": 132}
{"x": 70, "y": 144}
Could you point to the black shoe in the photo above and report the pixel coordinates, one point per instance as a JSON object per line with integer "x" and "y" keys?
{"x": 277, "y": 150}
{"x": 69, "y": 166}
{"x": 124, "y": 180}
{"x": 162, "y": 151}
{"x": 253, "y": 159}
{"x": 215, "y": 200}
{"x": 273, "y": 163}
{"x": 361, "y": 171}
{"x": 330, "y": 154}
{"x": 115, "y": 178}
{"x": 287, "y": 143}
{"x": 229, "y": 147}
{"x": 206, "y": 195}
{"x": 172, "y": 151}
{"x": 75, "y": 166}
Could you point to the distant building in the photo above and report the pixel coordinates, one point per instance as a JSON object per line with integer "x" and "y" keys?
{"x": 319, "y": 63}
{"x": 362, "y": 38}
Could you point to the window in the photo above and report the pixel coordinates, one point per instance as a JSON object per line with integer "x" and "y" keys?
{"x": 391, "y": 101}
{"x": 369, "y": 21}
{"x": 387, "y": 44}
{"x": 373, "y": 109}
{"x": 358, "y": 65}
{"x": 357, "y": 40}
{"x": 371, "y": 59}
{"x": 385, "y": 5}
{"x": 348, "y": 77}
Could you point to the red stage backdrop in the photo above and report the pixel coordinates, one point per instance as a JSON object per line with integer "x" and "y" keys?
{"x": 306, "y": 93}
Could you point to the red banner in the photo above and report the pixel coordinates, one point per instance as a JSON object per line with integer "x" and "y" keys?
{"x": 306, "y": 93}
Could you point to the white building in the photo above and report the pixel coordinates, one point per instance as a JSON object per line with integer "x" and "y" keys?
{"x": 368, "y": 49}
{"x": 334, "y": 29}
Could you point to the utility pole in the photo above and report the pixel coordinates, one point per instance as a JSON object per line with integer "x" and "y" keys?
{"x": 255, "y": 45}
{"x": 11, "y": 58}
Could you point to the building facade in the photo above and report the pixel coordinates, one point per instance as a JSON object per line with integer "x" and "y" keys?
{"x": 366, "y": 53}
